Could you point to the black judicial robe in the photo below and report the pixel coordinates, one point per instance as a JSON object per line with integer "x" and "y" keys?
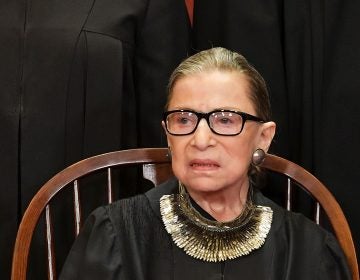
{"x": 78, "y": 78}
{"x": 127, "y": 240}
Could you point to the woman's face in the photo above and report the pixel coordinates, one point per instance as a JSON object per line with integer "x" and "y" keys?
{"x": 204, "y": 161}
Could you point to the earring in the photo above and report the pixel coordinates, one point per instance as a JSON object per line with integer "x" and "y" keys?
{"x": 258, "y": 157}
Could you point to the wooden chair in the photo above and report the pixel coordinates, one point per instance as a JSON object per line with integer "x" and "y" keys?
{"x": 156, "y": 167}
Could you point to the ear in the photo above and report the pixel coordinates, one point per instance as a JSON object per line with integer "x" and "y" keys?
{"x": 165, "y": 131}
{"x": 163, "y": 126}
{"x": 267, "y": 132}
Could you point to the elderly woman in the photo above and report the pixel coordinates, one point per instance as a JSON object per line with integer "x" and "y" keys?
{"x": 209, "y": 222}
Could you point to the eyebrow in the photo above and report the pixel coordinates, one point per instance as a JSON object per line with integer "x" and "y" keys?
{"x": 214, "y": 109}
{"x": 227, "y": 108}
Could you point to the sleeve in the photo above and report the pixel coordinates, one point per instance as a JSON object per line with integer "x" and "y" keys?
{"x": 95, "y": 253}
{"x": 333, "y": 264}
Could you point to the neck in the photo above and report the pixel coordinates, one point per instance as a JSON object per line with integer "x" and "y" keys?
{"x": 223, "y": 205}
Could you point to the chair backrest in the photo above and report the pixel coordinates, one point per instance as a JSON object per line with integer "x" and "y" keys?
{"x": 156, "y": 167}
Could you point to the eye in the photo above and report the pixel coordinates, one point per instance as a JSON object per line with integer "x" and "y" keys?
{"x": 183, "y": 119}
{"x": 225, "y": 120}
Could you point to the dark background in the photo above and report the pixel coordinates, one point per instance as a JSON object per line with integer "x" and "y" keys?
{"x": 83, "y": 77}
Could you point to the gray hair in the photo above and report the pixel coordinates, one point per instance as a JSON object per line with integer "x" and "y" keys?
{"x": 222, "y": 59}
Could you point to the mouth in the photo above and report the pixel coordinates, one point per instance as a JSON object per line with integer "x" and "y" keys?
{"x": 204, "y": 164}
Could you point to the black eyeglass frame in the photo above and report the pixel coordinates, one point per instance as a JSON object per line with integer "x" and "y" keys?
{"x": 245, "y": 117}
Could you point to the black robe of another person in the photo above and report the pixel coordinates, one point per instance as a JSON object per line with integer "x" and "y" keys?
{"x": 127, "y": 240}
{"x": 78, "y": 78}
{"x": 308, "y": 51}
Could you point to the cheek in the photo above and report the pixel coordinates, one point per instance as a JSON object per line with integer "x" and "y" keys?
{"x": 240, "y": 154}
{"x": 240, "y": 165}
{"x": 179, "y": 165}
{"x": 178, "y": 156}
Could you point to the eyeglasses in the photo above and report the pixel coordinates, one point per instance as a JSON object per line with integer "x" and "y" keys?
{"x": 221, "y": 122}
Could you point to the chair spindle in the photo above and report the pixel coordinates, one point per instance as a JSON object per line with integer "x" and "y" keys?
{"x": 49, "y": 244}
{"x": 77, "y": 207}
{"x": 109, "y": 186}
{"x": 289, "y": 191}
{"x": 317, "y": 213}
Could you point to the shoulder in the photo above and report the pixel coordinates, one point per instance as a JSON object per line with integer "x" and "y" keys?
{"x": 141, "y": 209}
{"x": 299, "y": 226}
{"x": 297, "y": 230}
{"x": 123, "y": 212}
{"x": 319, "y": 247}
{"x": 289, "y": 219}
{"x": 306, "y": 243}
{"x": 295, "y": 226}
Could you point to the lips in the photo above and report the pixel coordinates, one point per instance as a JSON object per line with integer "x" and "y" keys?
{"x": 204, "y": 164}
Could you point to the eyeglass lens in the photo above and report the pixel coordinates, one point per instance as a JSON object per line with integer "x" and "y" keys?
{"x": 222, "y": 122}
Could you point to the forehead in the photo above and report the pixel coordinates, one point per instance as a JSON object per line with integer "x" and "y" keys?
{"x": 212, "y": 90}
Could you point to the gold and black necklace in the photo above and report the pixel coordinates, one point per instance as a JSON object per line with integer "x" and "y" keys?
{"x": 210, "y": 240}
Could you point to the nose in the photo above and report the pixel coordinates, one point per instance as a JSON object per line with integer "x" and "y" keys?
{"x": 203, "y": 137}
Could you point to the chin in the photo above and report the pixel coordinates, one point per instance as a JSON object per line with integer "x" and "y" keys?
{"x": 203, "y": 184}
